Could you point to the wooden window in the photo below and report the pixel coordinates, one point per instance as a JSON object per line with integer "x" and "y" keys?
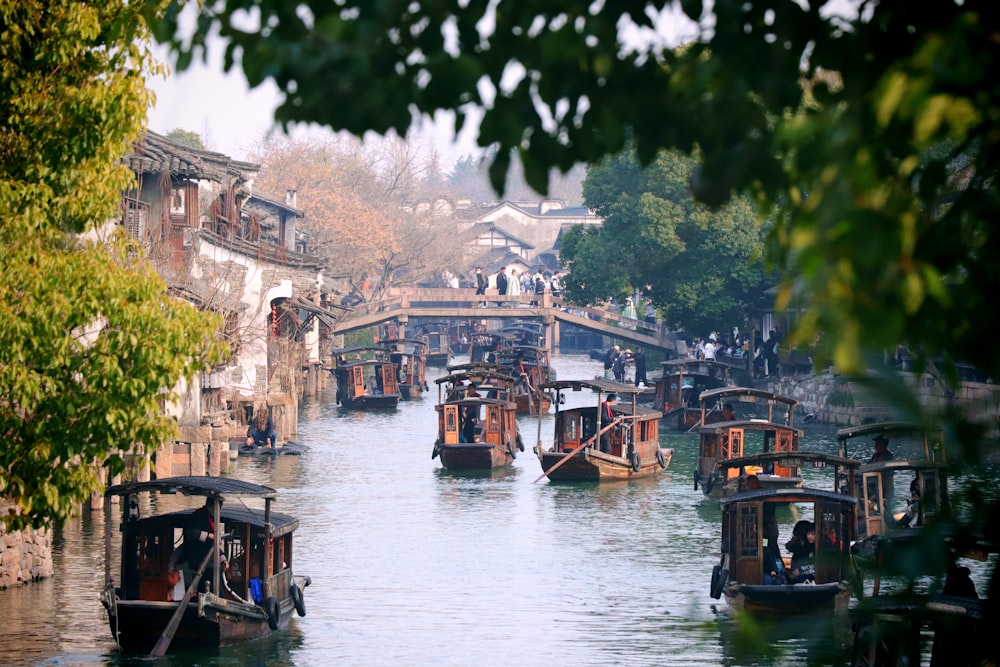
{"x": 135, "y": 215}
{"x": 748, "y": 532}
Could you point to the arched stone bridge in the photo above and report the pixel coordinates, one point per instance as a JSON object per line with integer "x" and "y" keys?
{"x": 400, "y": 304}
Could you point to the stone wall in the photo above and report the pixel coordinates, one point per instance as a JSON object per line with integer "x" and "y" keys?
{"x": 833, "y": 399}
{"x": 25, "y": 555}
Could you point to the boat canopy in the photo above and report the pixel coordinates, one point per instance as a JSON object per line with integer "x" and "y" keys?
{"x": 216, "y": 487}
{"x": 393, "y": 341}
{"x": 796, "y": 459}
{"x": 746, "y": 394}
{"x": 476, "y": 376}
{"x": 596, "y": 385}
{"x": 931, "y": 438}
{"x": 790, "y": 495}
{"x": 480, "y": 367}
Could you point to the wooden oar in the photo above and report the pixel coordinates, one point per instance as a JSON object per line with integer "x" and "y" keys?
{"x": 578, "y": 449}
{"x": 163, "y": 643}
{"x": 699, "y": 422}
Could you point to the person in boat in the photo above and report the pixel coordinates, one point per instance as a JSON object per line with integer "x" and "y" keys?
{"x": 774, "y": 566}
{"x": 261, "y": 432}
{"x": 523, "y": 378}
{"x": 609, "y": 359}
{"x": 727, "y": 412}
{"x": 802, "y": 547}
{"x": 470, "y": 423}
{"x": 958, "y": 583}
{"x": 199, "y": 537}
{"x": 882, "y": 452}
{"x": 607, "y": 416}
{"x": 912, "y": 505}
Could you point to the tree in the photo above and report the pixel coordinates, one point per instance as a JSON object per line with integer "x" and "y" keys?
{"x": 186, "y": 138}
{"x": 91, "y": 342}
{"x": 353, "y": 199}
{"x": 827, "y": 120}
{"x": 703, "y": 268}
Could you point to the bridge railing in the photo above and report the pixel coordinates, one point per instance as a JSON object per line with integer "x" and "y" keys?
{"x": 409, "y": 298}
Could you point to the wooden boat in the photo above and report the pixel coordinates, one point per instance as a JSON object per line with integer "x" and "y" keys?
{"x": 575, "y": 454}
{"x": 724, "y": 440}
{"x": 435, "y": 335}
{"x": 409, "y": 356}
{"x": 523, "y": 332}
{"x": 949, "y": 623}
{"x": 366, "y": 378}
{"x": 251, "y": 598}
{"x": 531, "y": 371}
{"x": 752, "y": 515}
{"x": 899, "y": 494}
{"x": 477, "y": 421}
{"x": 680, "y": 385}
{"x": 485, "y": 346}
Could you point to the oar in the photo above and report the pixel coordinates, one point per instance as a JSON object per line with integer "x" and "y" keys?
{"x": 163, "y": 643}
{"x": 699, "y": 422}
{"x": 578, "y": 449}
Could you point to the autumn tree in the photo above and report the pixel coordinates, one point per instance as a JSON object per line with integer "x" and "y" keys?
{"x": 703, "y": 268}
{"x": 353, "y": 198}
{"x": 90, "y": 342}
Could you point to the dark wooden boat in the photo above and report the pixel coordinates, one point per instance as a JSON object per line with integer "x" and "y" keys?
{"x": 575, "y": 453}
{"x": 255, "y": 596}
{"x": 946, "y": 623}
{"x": 523, "y": 332}
{"x": 366, "y": 378}
{"x": 900, "y": 494}
{"x": 681, "y": 383}
{"x": 409, "y": 356}
{"x": 749, "y": 509}
{"x": 435, "y": 334}
{"x": 477, "y": 420}
{"x": 485, "y": 346}
{"x": 531, "y": 370}
{"x": 721, "y": 441}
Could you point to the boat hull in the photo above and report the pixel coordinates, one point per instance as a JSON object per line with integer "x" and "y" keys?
{"x": 475, "y": 456}
{"x": 209, "y": 622}
{"x": 410, "y": 391}
{"x": 529, "y": 406}
{"x": 788, "y": 599}
{"x": 438, "y": 359}
{"x": 370, "y": 402}
{"x": 595, "y": 466}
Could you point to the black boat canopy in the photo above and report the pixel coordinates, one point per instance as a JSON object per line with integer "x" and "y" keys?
{"x": 216, "y": 487}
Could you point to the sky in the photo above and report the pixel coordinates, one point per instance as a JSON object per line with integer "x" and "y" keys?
{"x": 232, "y": 118}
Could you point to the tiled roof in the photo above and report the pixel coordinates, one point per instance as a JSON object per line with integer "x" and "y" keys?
{"x": 157, "y": 154}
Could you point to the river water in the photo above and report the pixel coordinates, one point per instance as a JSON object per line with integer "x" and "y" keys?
{"x": 412, "y": 565}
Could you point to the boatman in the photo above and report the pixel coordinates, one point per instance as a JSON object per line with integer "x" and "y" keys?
{"x": 607, "y": 416}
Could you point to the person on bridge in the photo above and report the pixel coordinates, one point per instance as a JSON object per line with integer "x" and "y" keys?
{"x": 501, "y": 281}
{"x": 514, "y": 285}
{"x": 481, "y": 282}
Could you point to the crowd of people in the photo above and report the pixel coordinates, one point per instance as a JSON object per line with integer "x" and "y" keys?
{"x": 737, "y": 345}
{"x": 512, "y": 283}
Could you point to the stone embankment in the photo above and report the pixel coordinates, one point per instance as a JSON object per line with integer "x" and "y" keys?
{"x": 833, "y": 399}
{"x": 25, "y": 555}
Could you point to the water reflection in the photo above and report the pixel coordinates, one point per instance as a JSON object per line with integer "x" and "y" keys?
{"x": 415, "y": 565}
